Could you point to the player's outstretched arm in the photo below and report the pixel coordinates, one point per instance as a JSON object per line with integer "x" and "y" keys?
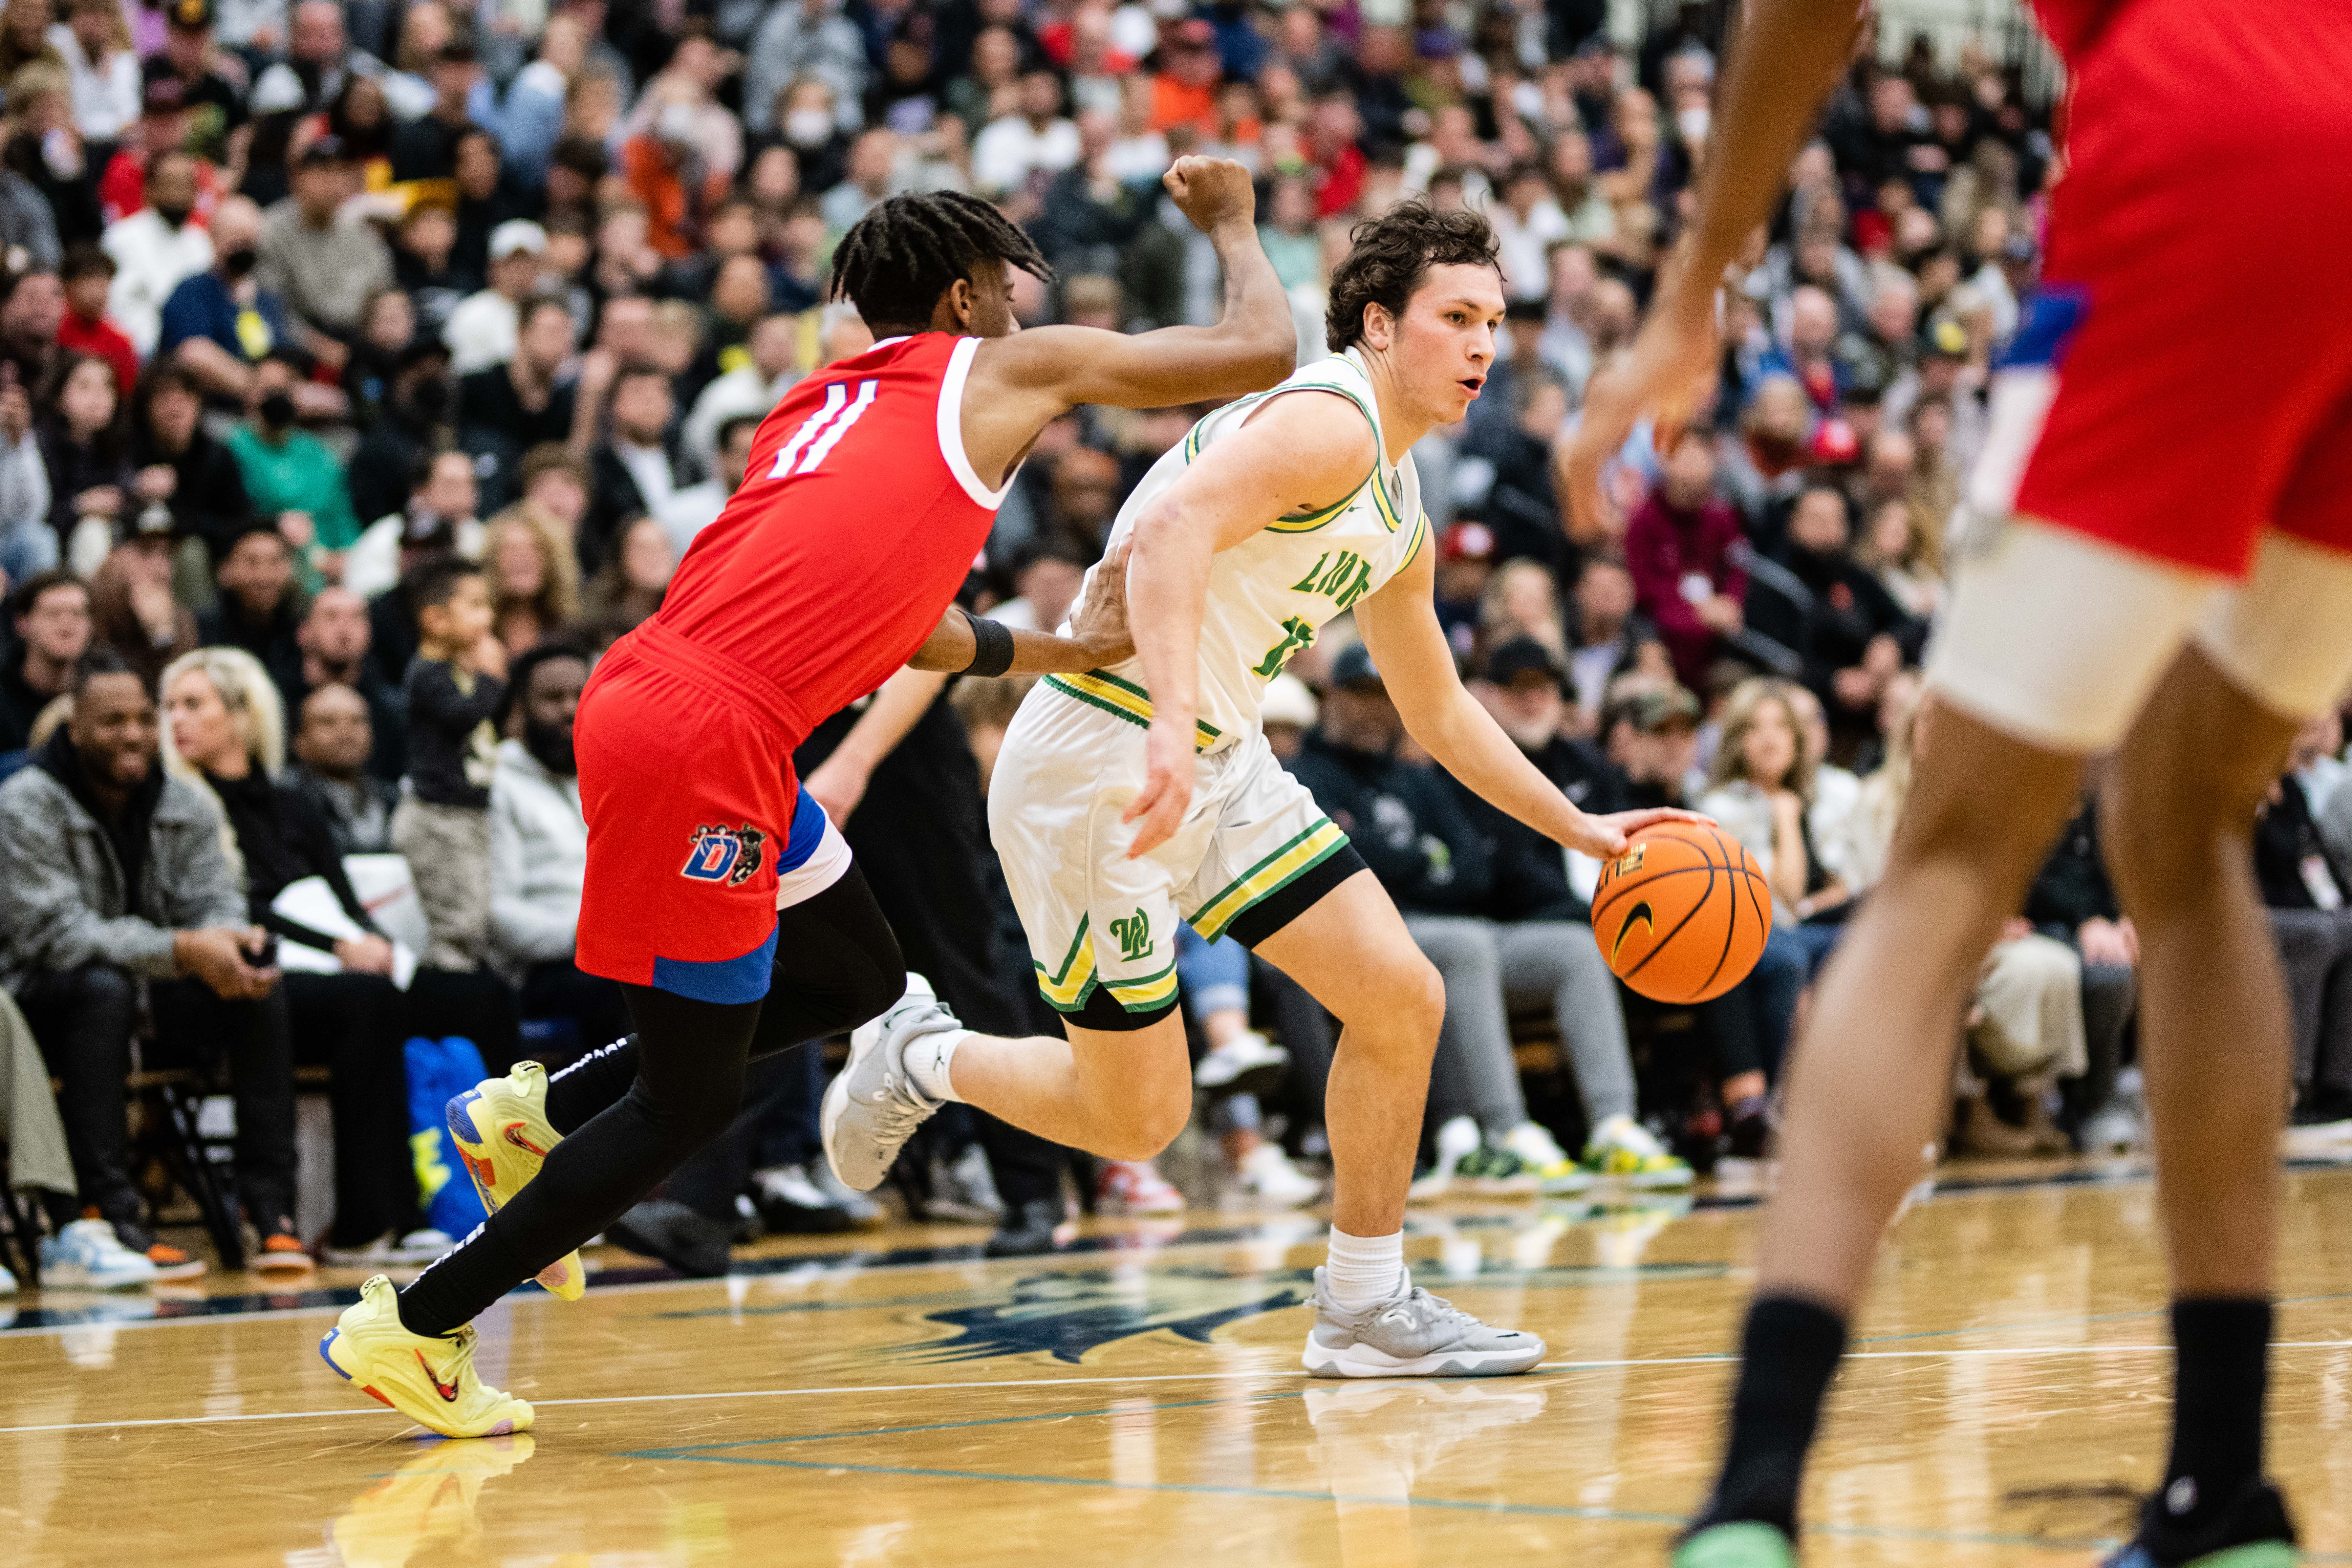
{"x": 1032, "y": 377}
{"x": 966, "y": 644}
{"x": 1400, "y": 628}
{"x": 1786, "y": 57}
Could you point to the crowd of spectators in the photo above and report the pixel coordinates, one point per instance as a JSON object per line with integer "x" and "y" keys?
{"x": 367, "y": 367}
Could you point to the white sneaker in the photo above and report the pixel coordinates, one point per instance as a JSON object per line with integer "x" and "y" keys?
{"x": 1266, "y": 1175}
{"x": 1249, "y": 1063}
{"x": 1135, "y": 1187}
{"x": 7, "y": 1282}
{"x": 1412, "y": 1334}
{"x": 873, "y": 1107}
{"x": 87, "y": 1256}
{"x": 1556, "y": 1173}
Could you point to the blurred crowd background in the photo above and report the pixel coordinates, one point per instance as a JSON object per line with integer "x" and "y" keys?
{"x": 367, "y": 367}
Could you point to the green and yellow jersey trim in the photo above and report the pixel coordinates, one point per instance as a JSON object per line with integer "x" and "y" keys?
{"x": 1308, "y": 521}
{"x": 1124, "y": 700}
{"x": 1066, "y": 991}
{"x": 1268, "y": 877}
{"x": 1145, "y": 992}
{"x": 1420, "y": 537}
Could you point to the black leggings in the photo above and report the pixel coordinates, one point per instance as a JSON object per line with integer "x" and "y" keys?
{"x": 631, "y": 1113}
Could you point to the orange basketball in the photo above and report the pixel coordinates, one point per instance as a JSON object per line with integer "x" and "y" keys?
{"x": 1682, "y": 915}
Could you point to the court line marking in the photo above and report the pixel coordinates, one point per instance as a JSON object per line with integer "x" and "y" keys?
{"x": 853, "y": 1389}
{"x": 1462, "y": 1505}
{"x": 823, "y": 1269}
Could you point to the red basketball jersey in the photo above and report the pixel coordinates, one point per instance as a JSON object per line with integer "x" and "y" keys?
{"x": 857, "y": 520}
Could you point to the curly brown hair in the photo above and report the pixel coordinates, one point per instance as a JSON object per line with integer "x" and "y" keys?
{"x": 1390, "y": 254}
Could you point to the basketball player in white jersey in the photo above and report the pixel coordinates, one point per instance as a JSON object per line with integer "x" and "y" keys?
{"x": 1128, "y": 798}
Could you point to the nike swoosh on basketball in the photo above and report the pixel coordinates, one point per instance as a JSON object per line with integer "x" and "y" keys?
{"x": 447, "y": 1391}
{"x": 1640, "y": 912}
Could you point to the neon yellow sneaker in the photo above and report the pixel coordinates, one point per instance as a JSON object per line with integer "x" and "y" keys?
{"x": 430, "y": 1381}
{"x": 1623, "y": 1148}
{"x": 502, "y": 1128}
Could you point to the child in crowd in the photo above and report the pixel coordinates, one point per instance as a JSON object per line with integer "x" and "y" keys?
{"x": 455, "y": 686}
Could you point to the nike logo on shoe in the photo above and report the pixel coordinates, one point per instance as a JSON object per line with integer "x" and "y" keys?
{"x": 513, "y": 1133}
{"x": 447, "y": 1391}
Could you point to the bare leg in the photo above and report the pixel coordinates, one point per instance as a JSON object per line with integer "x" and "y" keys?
{"x": 1121, "y": 1095}
{"x": 1868, "y": 1081}
{"x": 2215, "y": 1046}
{"x": 2215, "y": 1034}
{"x": 1126, "y": 1095}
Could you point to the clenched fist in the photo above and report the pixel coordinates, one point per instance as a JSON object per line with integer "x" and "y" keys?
{"x": 1212, "y": 191}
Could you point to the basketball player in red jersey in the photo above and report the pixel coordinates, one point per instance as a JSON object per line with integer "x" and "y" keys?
{"x": 2162, "y": 568}
{"x": 713, "y": 878}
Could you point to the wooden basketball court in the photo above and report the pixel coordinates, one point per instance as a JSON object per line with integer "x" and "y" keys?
{"x": 1137, "y": 1400}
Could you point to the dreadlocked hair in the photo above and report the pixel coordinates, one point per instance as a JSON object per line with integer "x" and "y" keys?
{"x": 897, "y": 260}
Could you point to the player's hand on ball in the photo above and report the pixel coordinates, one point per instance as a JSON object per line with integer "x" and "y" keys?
{"x": 1211, "y": 191}
{"x": 1604, "y": 837}
{"x": 1158, "y": 807}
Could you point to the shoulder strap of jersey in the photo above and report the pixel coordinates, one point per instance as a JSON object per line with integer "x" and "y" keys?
{"x": 1339, "y": 374}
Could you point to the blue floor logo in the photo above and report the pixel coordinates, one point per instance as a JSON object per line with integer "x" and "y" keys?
{"x": 1068, "y": 1314}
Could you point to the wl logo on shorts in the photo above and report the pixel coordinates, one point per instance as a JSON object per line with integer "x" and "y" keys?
{"x": 1133, "y": 935}
{"x": 729, "y": 855}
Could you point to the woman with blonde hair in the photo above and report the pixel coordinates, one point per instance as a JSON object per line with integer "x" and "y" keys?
{"x": 1760, "y": 789}
{"x": 1899, "y": 547}
{"x": 223, "y": 732}
{"x": 534, "y": 578}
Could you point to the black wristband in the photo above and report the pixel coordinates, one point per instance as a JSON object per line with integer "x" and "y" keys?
{"x": 991, "y": 646}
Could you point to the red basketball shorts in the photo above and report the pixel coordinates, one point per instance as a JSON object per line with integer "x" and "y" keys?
{"x": 2172, "y": 427}
{"x": 697, "y": 831}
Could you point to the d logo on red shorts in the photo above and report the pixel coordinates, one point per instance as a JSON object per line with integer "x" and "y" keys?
{"x": 715, "y": 852}
{"x": 730, "y": 855}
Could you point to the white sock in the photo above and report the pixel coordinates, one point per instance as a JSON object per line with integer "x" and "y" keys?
{"x": 1364, "y": 1271}
{"x": 927, "y": 1062}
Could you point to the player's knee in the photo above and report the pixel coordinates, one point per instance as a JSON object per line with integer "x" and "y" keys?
{"x": 1413, "y": 1001}
{"x": 2166, "y": 841}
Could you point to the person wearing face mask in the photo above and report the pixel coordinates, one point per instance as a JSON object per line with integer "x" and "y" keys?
{"x": 291, "y": 476}
{"x": 221, "y": 323}
{"x": 539, "y": 848}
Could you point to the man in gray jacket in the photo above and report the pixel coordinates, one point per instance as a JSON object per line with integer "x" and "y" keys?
{"x": 116, "y": 874}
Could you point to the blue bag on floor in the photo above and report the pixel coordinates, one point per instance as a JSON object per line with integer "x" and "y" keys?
{"x": 438, "y": 1071}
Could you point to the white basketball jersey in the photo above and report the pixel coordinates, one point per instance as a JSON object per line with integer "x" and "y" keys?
{"x": 1271, "y": 594}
